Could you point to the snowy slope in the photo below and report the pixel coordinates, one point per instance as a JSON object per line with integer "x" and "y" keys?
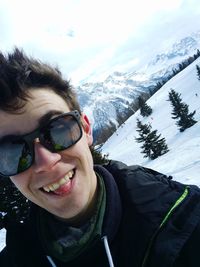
{"x": 2, "y": 238}
{"x": 183, "y": 159}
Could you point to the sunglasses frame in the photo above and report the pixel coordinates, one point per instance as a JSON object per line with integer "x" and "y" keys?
{"x": 30, "y": 137}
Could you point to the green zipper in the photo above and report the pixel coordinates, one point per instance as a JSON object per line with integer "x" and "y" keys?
{"x": 164, "y": 221}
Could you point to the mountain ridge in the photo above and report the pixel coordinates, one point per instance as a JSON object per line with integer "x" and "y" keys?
{"x": 106, "y": 102}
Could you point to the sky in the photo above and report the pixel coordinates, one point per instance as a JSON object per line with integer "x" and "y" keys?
{"x": 89, "y": 39}
{"x": 183, "y": 159}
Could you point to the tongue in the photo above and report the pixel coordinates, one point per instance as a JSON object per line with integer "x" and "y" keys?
{"x": 63, "y": 189}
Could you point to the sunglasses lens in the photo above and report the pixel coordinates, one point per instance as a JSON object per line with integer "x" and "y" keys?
{"x": 15, "y": 157}
{"x": 61, "y": 133}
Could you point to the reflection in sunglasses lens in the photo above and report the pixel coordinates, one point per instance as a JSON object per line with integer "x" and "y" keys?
{"x": 62, "y": 133}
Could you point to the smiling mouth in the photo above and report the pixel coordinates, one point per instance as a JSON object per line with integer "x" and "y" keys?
{"x": 60, "y": 183}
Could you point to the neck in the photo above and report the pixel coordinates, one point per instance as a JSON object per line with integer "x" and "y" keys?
{"x": 85, "y": 214}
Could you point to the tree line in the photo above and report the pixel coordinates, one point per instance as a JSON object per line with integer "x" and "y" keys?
{"x": 182, "y": 65}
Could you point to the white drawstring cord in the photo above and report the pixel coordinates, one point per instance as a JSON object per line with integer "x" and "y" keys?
{"x": 51, "y": 261}
{"x": 110, "y": 260}
{"x": 107, "y": 249}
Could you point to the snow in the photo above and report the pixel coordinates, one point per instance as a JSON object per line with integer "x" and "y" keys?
{"x": 2, "y": 238}
{"x": 183, "y": 159}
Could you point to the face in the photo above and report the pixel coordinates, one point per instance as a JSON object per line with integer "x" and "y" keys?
{"x": 63, "y": 183}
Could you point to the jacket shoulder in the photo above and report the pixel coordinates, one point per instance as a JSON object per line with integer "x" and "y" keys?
{"x": 117, "y": 168}
{"x": 141, "y": 178}
{"x": 152, "y": 196}
{"x": 149, "y": 191}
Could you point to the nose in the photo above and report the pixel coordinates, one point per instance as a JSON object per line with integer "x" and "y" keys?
{"x": 44, "y": 159}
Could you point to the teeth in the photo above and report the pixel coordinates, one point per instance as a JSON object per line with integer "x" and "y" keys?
{"x": 64, "y": 180}
{"x": 46, "y": 189}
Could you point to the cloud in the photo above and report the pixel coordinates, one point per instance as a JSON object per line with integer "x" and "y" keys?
{"x": 70, "y": 33}
{"x": 87, "y": 37}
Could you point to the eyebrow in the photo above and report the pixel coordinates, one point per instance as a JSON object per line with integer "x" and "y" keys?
{"x": 46, "y": 117}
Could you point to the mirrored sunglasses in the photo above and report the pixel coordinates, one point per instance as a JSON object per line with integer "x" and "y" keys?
{"x": 59, "y": 133}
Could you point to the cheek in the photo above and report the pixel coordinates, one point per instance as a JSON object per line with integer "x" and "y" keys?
{"x": 81, "y": 149}
{"x": 20, "y": 181}
{"x": 23, "y": 186}
{"x": 86, "y": 155}
{"x": 17, "y": 183}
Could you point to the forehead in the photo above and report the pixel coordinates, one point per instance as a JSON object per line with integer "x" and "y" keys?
{"x": 41, "y": 102}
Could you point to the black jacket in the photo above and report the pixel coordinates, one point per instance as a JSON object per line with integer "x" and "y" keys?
{"x": 150, "y": 220}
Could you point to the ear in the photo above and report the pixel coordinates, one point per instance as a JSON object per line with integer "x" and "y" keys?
{"x": 87, "y": 129}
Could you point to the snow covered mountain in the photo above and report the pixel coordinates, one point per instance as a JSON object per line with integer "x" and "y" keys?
{"x": 107, "y": 102}
{"x": 183, "y": 159}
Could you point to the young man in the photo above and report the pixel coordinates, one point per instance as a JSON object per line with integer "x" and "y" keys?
{"x": 81, "y": 214}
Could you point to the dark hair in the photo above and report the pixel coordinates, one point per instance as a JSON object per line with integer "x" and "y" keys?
{"x": 18, "y": 73}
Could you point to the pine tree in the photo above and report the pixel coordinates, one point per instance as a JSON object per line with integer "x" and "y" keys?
{"x": 98, "y": 157}
{"x": 153, "y": 145}
{"x": 145, "y": 110}
{"x": 198, "y": 71}
{"x": 158, "y": 144}
{"x": 181, "y": 111}
{"x": 144, "y": 130}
